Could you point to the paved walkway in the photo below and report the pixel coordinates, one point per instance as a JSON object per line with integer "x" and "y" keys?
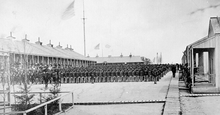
{"x": 172, "y": 104}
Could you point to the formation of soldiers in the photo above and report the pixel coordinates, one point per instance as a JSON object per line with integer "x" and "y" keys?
{"x": 39, "y": 74}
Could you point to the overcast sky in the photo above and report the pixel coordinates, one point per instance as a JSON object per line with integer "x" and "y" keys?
{"x": 139, "y": 27}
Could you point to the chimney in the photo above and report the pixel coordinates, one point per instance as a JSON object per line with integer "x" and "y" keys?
{"x": 130, "y": 55}
{"x": 71, "y": 48}
{"x": 25, "y": 39}
{"x": 66, "y": 47}
{"x": 50, "y": 45}
{"x": 59, "y": 46}
{"x": 38, "y": 42}
{"x": 121, "y": 55}
{"x": 10, "y": 37}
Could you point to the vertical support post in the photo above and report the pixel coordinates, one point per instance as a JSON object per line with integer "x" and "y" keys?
{"x": 72, "y": 98}
{"x": 48, "y": 60}
{"x": 38, "y": 59}
{"x": 8, "y": 77}
{"x": 9, "y": 98}
{"x": 60, "y": 106}
{"x": 52, "y": 60}
{"x": 155, "y": 80}
{"x": 42, "y": 60}
{"x": 192, "y": 67}
{"x": 45, "y": 110}
{"x": 32, "y": 56}
{"x": 40, "y": 97}
{"x": 21, "y": 61}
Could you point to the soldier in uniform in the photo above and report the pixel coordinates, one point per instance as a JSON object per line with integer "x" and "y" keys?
{"x": 92, "y": 77}
{"x": 108, "y": 74}
{"x": 105, "y": 74}
{"x": 45, "y": 77}
{"x": 130, "y": 75}
{"x": 77, "y": 76}
{"x": 173, "y": 69}
{"x": 126, "y": 75}
{"x": 114, "y": 74}
{"x": 146, "y": 75}
{"x": 83, "y": 76}
{"x": 154, "y": 75}
{"x": 86, "y": 76}
{"x": 141, "y": 73}
{"x": 71, "y": 76}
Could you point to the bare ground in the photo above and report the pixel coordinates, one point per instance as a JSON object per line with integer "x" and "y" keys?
{"x": 205, "y": 105}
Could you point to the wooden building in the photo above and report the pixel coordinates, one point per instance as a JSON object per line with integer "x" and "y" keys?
{"x": 37, "y": 53}
{"x": 120, "y": 59}
{"x": 203, "y": 56}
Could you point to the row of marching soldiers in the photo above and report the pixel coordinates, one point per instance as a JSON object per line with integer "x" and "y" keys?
{"x": 39, "y": 74}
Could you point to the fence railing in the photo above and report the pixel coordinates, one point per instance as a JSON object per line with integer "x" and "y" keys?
{"x": 40, "y": 94}
{"x": 45, "y": 105}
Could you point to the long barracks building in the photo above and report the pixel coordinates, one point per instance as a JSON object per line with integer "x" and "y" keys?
{"x": 36, "y": 53}
{"x": 119, "y": 59}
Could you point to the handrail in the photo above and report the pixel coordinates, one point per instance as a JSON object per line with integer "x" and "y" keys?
{"x": 14, "y": 112}
{"x": 43, "y": 104}
{"x": 38, "y": 92}
{"x": 36, "y": 107}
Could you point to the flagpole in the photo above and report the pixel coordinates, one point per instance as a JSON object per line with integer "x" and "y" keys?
{"x": 102, "y": 51}
{"x": 157, "y": 59}
{"x": 84, "y": 30}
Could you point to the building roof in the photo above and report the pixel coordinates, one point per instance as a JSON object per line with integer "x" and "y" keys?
{"x": 25, "y": 47}
{"x": 214, "y": 28}
{"x": 198, "y": 41}
{"x": 214, "y": 22}
{"x": 118, "y": 59}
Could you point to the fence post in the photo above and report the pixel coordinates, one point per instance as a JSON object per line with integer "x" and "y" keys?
{"x": 155, "y": 80}
{"x": 40, "y": 97}
{"x": 45, "y": 109}
{"x": 9, "y": 98}
{"x": 72, "y": 98}
{"x": 60, "y": 106}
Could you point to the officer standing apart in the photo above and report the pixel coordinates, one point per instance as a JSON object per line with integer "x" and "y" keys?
{"x": 173, "y": 69}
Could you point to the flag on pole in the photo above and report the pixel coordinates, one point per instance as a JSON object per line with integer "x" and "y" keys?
{"x": 69, "y": 11}
{"x": 97, "y": 47}
{"x": 107, "y": 46}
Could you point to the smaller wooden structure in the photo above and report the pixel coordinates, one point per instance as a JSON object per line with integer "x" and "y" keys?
{"x": 203, "y": 56}
{"x": 119, "y": 60}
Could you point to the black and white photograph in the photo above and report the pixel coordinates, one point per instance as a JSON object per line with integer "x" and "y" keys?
{"x": 109, "y": 57}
